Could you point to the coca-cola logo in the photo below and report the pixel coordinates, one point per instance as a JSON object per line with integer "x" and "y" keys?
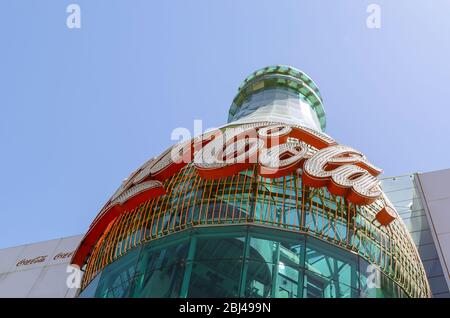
{"x": 277, "y": 149}
{"x": 43, "y": 258}
{"x": 38, "y": 259}
{"x": 63, "y": 255}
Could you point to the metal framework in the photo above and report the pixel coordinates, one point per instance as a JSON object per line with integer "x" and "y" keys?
{"x": 283, "y": 203}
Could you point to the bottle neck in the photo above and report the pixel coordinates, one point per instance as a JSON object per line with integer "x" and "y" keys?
{"x": 278, "y": 105}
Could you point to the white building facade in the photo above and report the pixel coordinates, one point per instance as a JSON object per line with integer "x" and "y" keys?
{"x": 423, "y": 202}
{"x": 39, "y": 270}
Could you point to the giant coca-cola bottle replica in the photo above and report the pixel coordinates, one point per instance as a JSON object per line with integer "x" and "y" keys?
{"x": 266, "y": 206}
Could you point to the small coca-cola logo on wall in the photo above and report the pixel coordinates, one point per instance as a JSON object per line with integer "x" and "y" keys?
{"x": 62, "y": 255}
{"x": 43, "y": 258}
{"x": 38, "y": 259}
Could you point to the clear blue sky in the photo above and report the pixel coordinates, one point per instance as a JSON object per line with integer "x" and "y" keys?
{"x": 82, "y": 108}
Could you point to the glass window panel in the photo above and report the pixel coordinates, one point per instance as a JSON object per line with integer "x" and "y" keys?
{"x": 438, "y": 284}
{"x": 211, "y": 279}
{"x": 433, "y": 268}
{"x": 427, "y": 252}
{"x": 422, "y": 237}
{"x": 90, "y": 290}
{"x": 258, "y": 282}
{"x": 331, "y": 263}
{"x": 262, "y": 250}
{"x": 288, "y": 281}
{"x": 219, "y": 248}
{"x": 117, "y": 278}
{"x": 419, "y": 223}
{"x": 160, "y": 283}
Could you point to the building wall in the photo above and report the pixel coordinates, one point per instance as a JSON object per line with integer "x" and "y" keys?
{"x": 435, "y": 191}
{"x": 37, "y": 270}
{"x": 405, "y": 194}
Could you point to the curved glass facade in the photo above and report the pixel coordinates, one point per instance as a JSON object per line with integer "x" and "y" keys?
{"x": 239, "y": 261}
{"x": 281, "y": 203}
{"x": 286, "y": 81}
{"x": 277, "y": 104}
{"x": 250, "y": 236}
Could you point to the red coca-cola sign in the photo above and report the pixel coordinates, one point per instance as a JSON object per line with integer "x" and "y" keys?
{"x": 277, "y": 149}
